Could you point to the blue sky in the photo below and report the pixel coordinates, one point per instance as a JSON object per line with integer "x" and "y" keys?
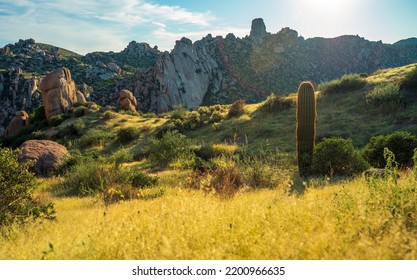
{"x": 92, "y": 25}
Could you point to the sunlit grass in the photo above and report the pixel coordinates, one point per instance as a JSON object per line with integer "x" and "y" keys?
{"x": 338, "y": 221}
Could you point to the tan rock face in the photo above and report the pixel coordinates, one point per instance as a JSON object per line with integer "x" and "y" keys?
{"x": 19, "y": 121}
{"x": 127, "y": 100}
{"x": 47, "y": 155}
{"x": 58, "y": 91}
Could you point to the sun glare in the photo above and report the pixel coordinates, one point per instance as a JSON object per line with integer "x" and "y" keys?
{"x": 326, "y": 6}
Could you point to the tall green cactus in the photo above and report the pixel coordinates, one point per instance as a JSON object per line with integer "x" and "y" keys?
{"x": 306, "y": 126}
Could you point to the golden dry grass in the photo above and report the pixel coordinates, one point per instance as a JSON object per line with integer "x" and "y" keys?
{"x": 346, "y": 220}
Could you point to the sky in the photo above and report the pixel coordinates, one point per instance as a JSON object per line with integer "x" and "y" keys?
{"x": 85, "y": 26}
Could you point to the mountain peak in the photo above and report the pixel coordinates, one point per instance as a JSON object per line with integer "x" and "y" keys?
{"x": 258, "y": 30}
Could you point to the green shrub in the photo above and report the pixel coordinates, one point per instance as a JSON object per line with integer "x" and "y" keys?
{"x": 401, "y": 143}
{"x": 170, "y": 147}
{"x": 410, "y": 81}
{"x": 78, "y": 127}
{"x": 337, "y": 156}
{"x": 191, "y": 120}
{"x": 388, "y": 97}
{"x": 275, "y": 104}
{"x": 17, "y": 184}
{"x": 109, "y": 115}
{"x": 80, "y": 111}
{"x": 236, "y": 109}
{"x": 346, "y": 83}
{"x": 216, "y": 117}
{"x": 94, "y": 137}
{"x": 127, "y": 135}
{"x": 57, "y": 119}
{"x": 142, "y": 180}
{"x": 179, "y": 112}
{"x": 107, "y": 181}
{"x": 38, "y": 115}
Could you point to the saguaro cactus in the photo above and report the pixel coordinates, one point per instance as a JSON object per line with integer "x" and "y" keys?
{"x": 306, "y": 126}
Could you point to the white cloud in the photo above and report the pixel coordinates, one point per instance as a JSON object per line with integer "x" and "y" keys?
{"x": 86, "y": 26}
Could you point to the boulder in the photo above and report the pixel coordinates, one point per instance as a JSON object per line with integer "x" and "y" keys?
{"x": 59, "y": 92}
{"x": 47, "y": 155}
{"x": 19, "y": 121}
{"x": 127, "y": 101}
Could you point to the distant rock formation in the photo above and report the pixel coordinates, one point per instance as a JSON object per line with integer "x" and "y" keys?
{"x": 407, "y": 42}
{"x": 58, "y": 91}
{"x": 209, "y": 71}
{"x": 258, "y": 30}
{"x": 183, "y": 76}
{"x": 19, "y": 121}
{"x": 127, "y": 101}
{"x": 47, "y": 155}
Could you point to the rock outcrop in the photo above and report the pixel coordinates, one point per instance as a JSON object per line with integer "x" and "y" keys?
{"x": 258, "y": 30}
{"x": 183, "y": 76}
{"x": 19, "y": 121}
{"x": 47, "y": 155}
{"x": 127, "y": 101}
{"x": 58, "y": 91}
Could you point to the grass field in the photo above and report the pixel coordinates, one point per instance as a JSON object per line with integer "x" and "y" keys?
{"x": 343, "y": 220}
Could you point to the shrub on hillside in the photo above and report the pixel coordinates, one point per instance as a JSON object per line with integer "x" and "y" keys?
{"x": 337, "y": 156}
{"x": 94, "y": 137}
{"x": 346, "y": 83}
{"x": 275, "y": 104}
{"x": 112, "y": 184}
{"x": 17, "y": 184}
{"x": 236, "y": 109}
{"x": 170, "y": 147}
{"x": 388, "y": 97}
{"x": 127, "y": 135}
{"x": 410, "y": 81}
{"x": 401, "y": 143}
{"x": 38, "y": 115}
{"x": 109, "y": 115}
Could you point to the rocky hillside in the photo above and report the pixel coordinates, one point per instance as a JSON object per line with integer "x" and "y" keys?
{"x": 210, "y": 70}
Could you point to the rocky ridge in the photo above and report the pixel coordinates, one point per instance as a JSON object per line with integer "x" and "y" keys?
{"x": 210, "y": 70}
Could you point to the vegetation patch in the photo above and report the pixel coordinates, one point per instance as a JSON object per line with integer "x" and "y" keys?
{"x": 346, "y": 83}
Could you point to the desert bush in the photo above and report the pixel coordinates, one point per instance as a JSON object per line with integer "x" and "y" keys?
{"x": 216, "y": 117}
{"x": 38, "y": 115}
{"x": 17, "y": 184}
{"x": 170, "y": 147}
{"x": 410, "y": 80}
{"x": 346, "y": 83}
{"x": 191, "y": 120}
{"x": 127, "y": 135}
{"x": 388, "y": 97}
{"x": 227, "y": 180}
{"x": 58, "y": 119}
{"x": 274, "y": 104}
{"x": 142, "y": 180}
{"x": 94, "y": 137}
{"x": 401, "y": 143}
{"x": 107, "y": 181}
{"x": 78, "y": 127}
{"x": 79, "y": 111}
{"x": 109, "y": 115}
{"x": 223, "y": 150}
{"x": 178, "y": 112}
{"x": 236, "y": 109}
{"x": 337, "y": 156}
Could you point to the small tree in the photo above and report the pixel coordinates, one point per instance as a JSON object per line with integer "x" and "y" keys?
{"x": 17, "y": 184}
